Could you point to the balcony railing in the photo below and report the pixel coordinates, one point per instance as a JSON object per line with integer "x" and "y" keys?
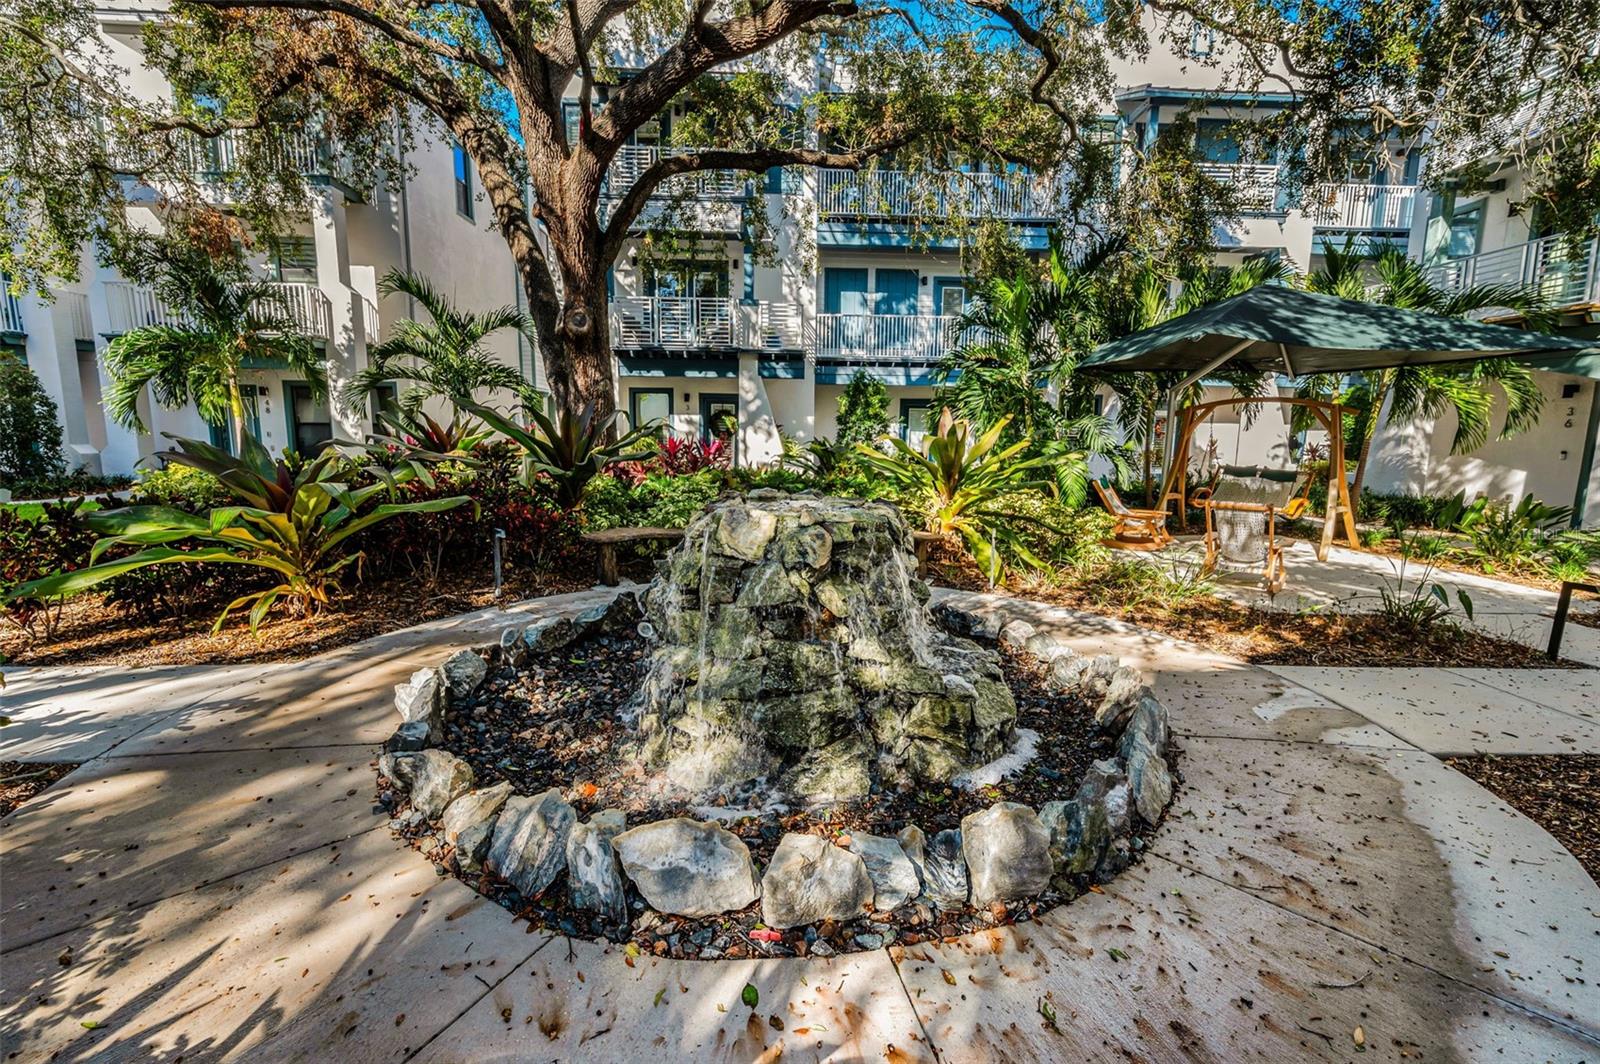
{"x": 76, "y": 305}
{"x": 1256, "y": 183}
{"x": 634, "y": 159}
{"x": 887, "y": 337}
{"x": 1358, "y": 206}
{"x": 1565, "y": 273}
{"x": 10, "y": 308}
{"x": 688, "y": 323}
{"x": 303, "y": 151}
{"x": 132, "y": 306}
{"x": 905, "y": 194}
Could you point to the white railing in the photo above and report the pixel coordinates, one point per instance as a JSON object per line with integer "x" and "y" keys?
{"x": 303, "y": 151}
{"x": 634, "y": 159}
{"x": 1257, "y": 183}
{"x": 369, "y": 319}
{"x": 132, "y": 306}
{"x": 687, "y": 323}
{"x": 76, "y": 305}
{"x": 886, "y": 337}
{"x": 10, "y": 308}
{"x": 1564, "y": 273}
{"x": 1355, "y": 206}
{"x": 906, "y": 194}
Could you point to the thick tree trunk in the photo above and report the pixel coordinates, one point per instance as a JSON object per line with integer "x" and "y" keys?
{"x": 236, "y": 410}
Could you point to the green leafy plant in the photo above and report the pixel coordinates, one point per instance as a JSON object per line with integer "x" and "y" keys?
{"x": 30, "y": 432}
{"x": 444, "y": 357}
{"x": 1510, "y": 536}
{"x": 46, "y": 538}
{"x": 1423, "y": 604}
{"x": 570, "y": 450}
{"x": 291, "y": 517}
{"x": 962, "y": 484}
{"x": 863, "y": 410}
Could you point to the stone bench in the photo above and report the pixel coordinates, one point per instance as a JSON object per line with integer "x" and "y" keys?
{"x": 924, "y": 543}
{"x": 608, "y": 540}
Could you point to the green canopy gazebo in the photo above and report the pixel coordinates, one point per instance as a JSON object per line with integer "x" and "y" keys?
{"x": 1277, "y": 329}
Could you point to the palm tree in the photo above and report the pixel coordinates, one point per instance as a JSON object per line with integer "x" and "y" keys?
{"x": 1016, "y": 356}
{"x": 1386, "y": 276}
{"x": 444, "y": 357}
{"x": 225, "y": 320}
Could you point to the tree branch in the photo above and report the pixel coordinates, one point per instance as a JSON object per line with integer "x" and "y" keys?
{"x": 396, "y": 32}
{"x": 586, "y": 88}
{"x": 638, "y": 195}
{"x": 1040, "y": 42}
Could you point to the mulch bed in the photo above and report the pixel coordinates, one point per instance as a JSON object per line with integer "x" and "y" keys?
{"x": 21, "y": 780}
{"x": 1559, "y": 792}
{"x": 94, "y": 633}
{"x": 558, "y": 727}
{"x": 1271, "y": 637}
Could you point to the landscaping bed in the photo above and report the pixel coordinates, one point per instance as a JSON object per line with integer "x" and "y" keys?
{"x": 1559, "y": 792}
{"x": 21, "y": 780}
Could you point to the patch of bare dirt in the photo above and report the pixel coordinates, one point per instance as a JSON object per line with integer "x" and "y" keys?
{"x": 21, "y": 780}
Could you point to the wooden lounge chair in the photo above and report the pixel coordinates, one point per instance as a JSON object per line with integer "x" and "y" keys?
{"x": 1241, "y": 521}
{"x": 1135, "y": 529}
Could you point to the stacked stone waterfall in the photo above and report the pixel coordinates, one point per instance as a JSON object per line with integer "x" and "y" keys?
{"x": 796, "y": 647}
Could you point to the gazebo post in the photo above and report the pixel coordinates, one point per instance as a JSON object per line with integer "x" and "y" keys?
{"x": 1338, "y": 486}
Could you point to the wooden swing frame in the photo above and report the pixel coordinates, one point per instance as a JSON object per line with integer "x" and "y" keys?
{"x": 1330, "y": 416}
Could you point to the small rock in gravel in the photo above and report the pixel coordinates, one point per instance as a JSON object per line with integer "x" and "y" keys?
{"x": 463, "y": 672}
{"x": 869, "y": 941}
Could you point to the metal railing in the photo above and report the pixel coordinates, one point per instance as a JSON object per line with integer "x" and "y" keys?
{"x": 634, "y": 159}
{"x": 76, "y": 305}
{"x": 10, "y": 308}
{"x": 907, "y": 194}
{"x": 1564, "y": 272}
{"x": 303, "y": 151}
{"x": 1257, "y": 183}
{"x": 132, "y": 306}
{"x": 686, "y": 323}
{"x": 369, "y": 319}
{"x": 886, "y": 337}
{"x": 1359, "y": 206}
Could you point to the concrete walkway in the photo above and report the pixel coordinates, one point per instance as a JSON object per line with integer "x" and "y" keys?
{"x": 1353, "y": 580}
{"x": 214, "y": 883}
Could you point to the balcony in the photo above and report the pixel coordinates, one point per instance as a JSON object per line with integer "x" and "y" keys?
{"x": 1255, "y": 184}
{"x": 10, "y": 308}
{"x": 76, "y": 304}
{"x": 1567, "y": 275}
{"x": 634, "y": 159}
{"x": 1361, "y": 206}
{"x": 903, "y": 194}
{"x": 673, "y": 323}
{"x": 303, "y": 151}
{"x": 132, "y": 306}
{"x": 886, "y": 337}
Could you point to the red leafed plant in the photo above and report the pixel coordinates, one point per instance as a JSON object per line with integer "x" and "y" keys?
{"x": 680, "y": 456}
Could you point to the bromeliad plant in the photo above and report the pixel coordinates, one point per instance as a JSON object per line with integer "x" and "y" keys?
{"x": 293, "y": 518}
{"x": 963, "y": 483}
{"x": 571, "y": 451}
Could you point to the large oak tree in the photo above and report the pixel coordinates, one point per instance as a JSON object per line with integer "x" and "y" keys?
{"x": 1014, "y": 81}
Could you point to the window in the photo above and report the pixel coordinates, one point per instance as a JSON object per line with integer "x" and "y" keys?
{"x": 1466, "y": 228}
{"x": 310, "y": 423}
{"x": 463, "y": 167}
{"x": 952, "y": 297}
{"x": 1202, "y": 40}
{"x": 649, "y": 406}
{"x": 703, "y": 279}
{"x": 294, "y": 259}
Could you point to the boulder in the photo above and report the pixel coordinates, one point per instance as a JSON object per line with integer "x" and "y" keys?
{"x": 1149, "y": 781}
{"x": 895, "y": 881}
{"x": 398, "y": 769}
{"x": 548, "y": 635}
{"x": 1124, "y": 692}
{"x": 530, "y": 841}
{"x": 1015, "y": 634}
{"x": 463, "y": 672}
{"x": 408, "y": 738}
{"x": 618, "y": 615}
{"x": 944, "y": 870}
{"x": 688, "y": 868}
{"x": 592, "y": 871}
{"x": 438, "y": 778}
{"x": 468, "y": 823}
{"x": 422, "y": 698}
{"x": 744, "y": 532}
{"x": 1078, "y": 836}
{"x": 811, "y": 880}
{"x": 1150, "y": 723}
{"x": 1007, "y": 851}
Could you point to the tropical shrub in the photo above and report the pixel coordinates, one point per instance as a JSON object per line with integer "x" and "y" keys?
{"x": 291, "y": 517}
{"x": 181, "y": 487}
{"x": 863, "y": 410}
{"x": 569, "y": 451}
{"x": 1510, "y": 536}
{"x": 1424, "y": 604}
{"x": 30, "y": 433}
{"x": 1064, "y": 535}
{"x": 659, "y": 500}
{"x": 678, "y": 456}
{"x": 963, "y": 486}
{"x": 35, "y": 542}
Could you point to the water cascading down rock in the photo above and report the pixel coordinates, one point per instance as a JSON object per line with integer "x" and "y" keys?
{"x": 796, "y": 646}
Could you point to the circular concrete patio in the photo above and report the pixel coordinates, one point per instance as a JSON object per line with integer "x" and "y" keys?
{"x": 214, "y": 882}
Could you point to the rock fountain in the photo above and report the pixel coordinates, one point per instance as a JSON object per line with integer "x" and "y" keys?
{"x": 796, "y": 648}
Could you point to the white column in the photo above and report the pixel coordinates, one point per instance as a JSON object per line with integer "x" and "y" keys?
{"x": 58, "y": 376}
{"x": 759, "y": 444}
{"x": 121, "y": 451}
{"x": 347, "y": 342}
